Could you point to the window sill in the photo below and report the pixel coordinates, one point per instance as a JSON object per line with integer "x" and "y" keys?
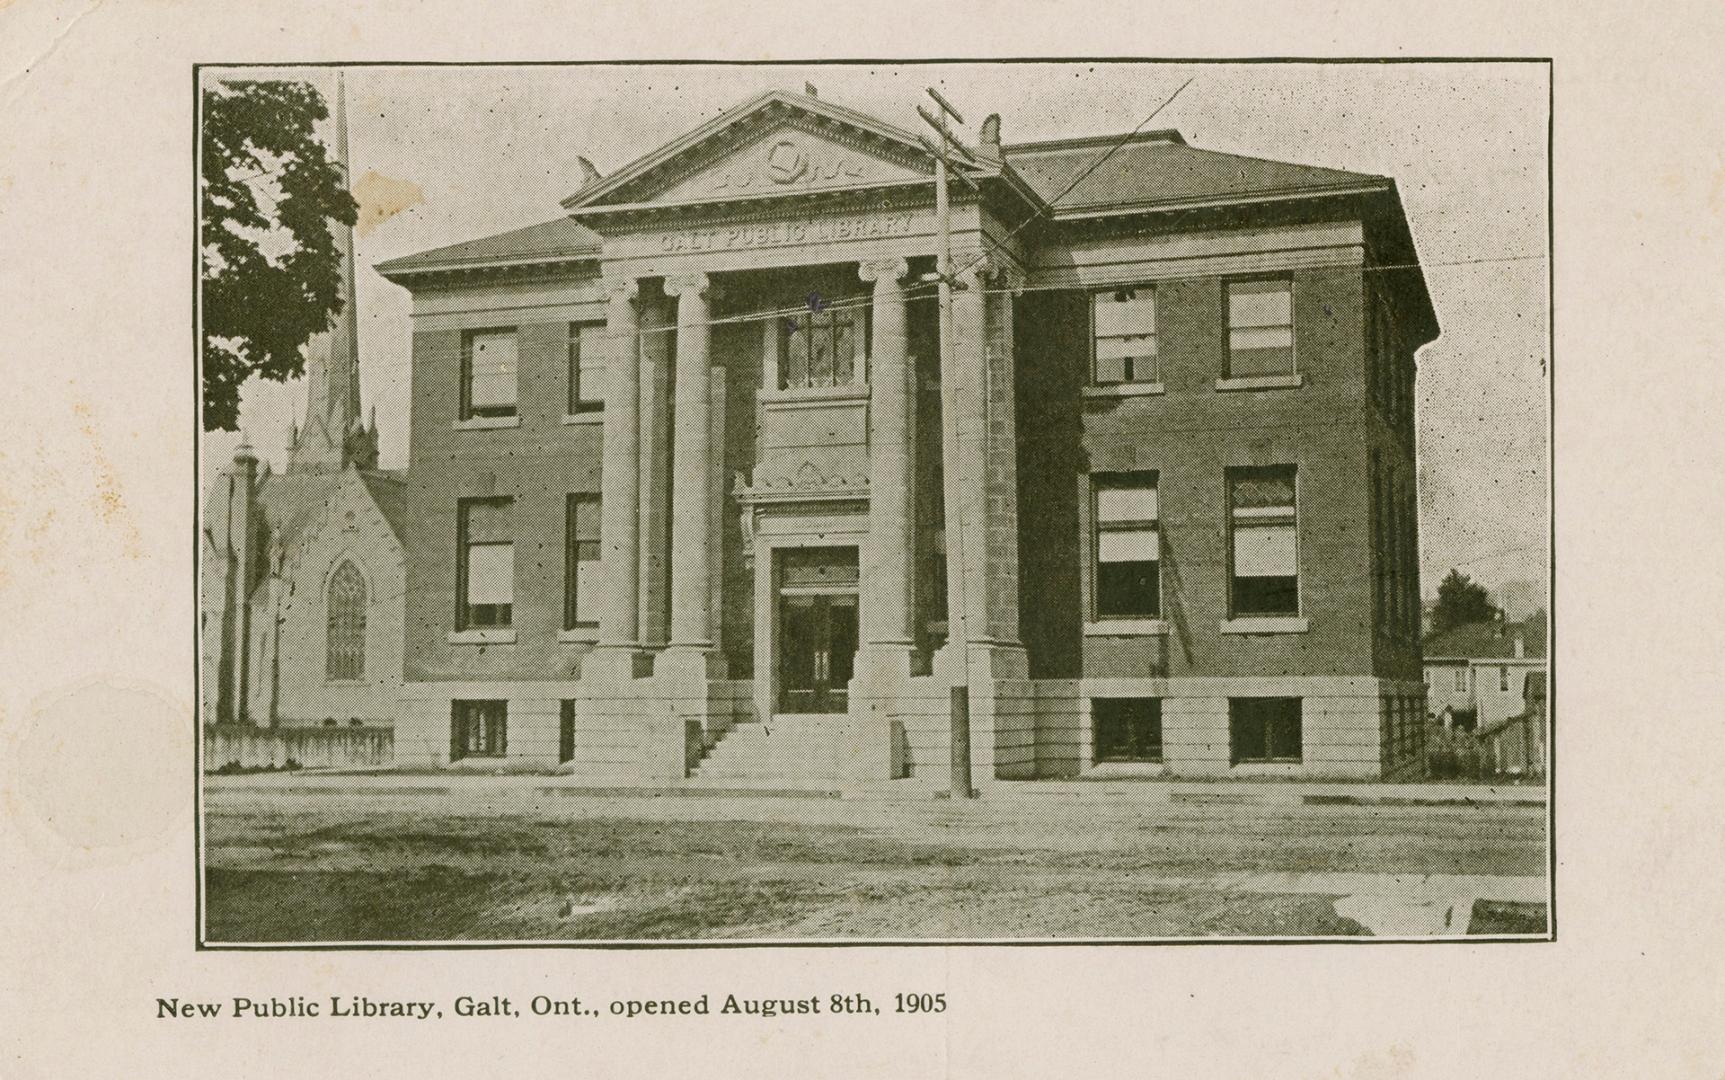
{"x": 498, "y": 636}
{"x": 578, "y": 635}
{"x": 590, "y": 416}
{"x": 1267, "y": 624}
{"x": 1126, "y": 628}
{"x": 1262, "y": 382}
{"x": 1124, "y": 390}
{"x": 817, "y": 395}
{"x": 487, "y": 423}
{"x": 1270, "y": 767}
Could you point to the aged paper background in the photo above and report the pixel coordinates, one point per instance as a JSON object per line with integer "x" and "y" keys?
{"x": 96, "y": 576}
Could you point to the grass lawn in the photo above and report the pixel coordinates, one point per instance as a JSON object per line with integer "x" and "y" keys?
{"x": 325, "y": 870}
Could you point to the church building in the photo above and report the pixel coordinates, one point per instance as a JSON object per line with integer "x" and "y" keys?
{"x": 302, "y": 570}
{"x": 693, "y": 493}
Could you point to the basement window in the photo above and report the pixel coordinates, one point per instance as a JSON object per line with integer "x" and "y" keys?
{"x": 479, "y": 729}
{"x": 565, "y": 731}
{"x": 1264, "y": 730}
{"x": 1127, "y": 729}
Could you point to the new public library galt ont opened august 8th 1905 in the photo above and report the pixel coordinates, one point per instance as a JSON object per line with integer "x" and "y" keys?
{"x": 678, "y": 501}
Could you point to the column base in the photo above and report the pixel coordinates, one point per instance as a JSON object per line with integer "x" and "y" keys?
{"x": 619, "y": 663}
{"x": 873, "y": 742}
{"x": 690, "y": 664}
{"x": 1002, "y": 708}
{"x": 883, "y": 662}
{"x": 988, "y": 660}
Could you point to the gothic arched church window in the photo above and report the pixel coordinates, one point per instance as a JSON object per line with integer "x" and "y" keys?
{"x": 346, "y": 640}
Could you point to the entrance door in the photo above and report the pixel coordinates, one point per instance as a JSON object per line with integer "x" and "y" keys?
{"x": 817, "y": 629}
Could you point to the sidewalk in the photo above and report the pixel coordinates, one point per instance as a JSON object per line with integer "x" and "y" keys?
{"x": 1115, "y": 792}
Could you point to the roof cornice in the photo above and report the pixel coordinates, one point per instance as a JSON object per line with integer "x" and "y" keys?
{"x": 1093, "y": 211}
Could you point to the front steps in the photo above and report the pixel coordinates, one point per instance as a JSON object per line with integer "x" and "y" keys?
{"x": 788, "y": 751}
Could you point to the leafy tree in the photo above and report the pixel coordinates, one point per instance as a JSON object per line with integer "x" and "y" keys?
{"x": 1461, "y": 600}
{"x": 271, "y": 270}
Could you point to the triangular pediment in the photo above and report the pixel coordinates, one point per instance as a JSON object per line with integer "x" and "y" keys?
{"x": 778, "y": 144}
{"x": 788, "y": 159}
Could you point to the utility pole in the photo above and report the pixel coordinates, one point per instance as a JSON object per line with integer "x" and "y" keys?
{"x": 958, "y": 638}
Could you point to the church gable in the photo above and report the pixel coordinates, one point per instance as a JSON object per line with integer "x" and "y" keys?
{"x": 779, "y": 144}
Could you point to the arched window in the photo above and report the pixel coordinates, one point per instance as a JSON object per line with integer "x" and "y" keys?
{"x": 346, "y": 639}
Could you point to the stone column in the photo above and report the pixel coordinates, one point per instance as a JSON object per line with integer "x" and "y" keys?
{"x": 987, "y": 475}
{"x": 619, "y": 520}
{"x": 655, "y": 469}
{"x": 888, "y": 585}
{"x": 691, "y": 497}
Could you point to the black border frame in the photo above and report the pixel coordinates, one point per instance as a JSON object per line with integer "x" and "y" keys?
{"x": 200, "y": 944}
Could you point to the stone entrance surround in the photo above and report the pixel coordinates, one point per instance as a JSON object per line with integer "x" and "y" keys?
{"x": 651, "y": 713}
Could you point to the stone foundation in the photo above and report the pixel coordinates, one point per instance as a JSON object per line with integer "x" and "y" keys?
{"x": 661, "y": 729}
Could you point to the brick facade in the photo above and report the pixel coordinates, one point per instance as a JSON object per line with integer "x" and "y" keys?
{"x": 775, "y": 468}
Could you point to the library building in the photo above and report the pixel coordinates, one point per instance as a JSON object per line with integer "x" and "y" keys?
{"x": 694, "y": 495}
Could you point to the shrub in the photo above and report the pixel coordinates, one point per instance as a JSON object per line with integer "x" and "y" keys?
{"x": 1456, "y": 755}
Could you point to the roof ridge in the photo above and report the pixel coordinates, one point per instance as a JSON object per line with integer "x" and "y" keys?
{"x": 1282, "y": 161}
{"x": 1171, "y": 136}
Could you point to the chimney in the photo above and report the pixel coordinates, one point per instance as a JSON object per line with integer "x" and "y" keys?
{"x": 990, "y": 138}
{"x": 1520, "y": 646}
{"x": 811, "y": 90}
{"x": 588, "y": 172}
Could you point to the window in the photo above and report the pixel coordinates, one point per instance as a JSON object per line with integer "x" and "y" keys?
{"x": 344, "y": 646}
{"x": 485, "y": 571}
{"x": 1503, "y": 679}
{"x": 1128, "y": 547}
{"x": 1461, "y": 680}
{"x": 1127, "y": 729}
{"x": 565, "y": 730}
{"x": 1124, "y": 323}
{"x": 1265, "y": 549}
{"x": 1260, "y": 328}
{"x": 1264, "y": 729}
{"x": 581, "y": 561}
{"x": 586, "y": 368}
{"x": 819, "y": 348}
{"x": 478, "y": 729}
{"x": 488, "y": 361}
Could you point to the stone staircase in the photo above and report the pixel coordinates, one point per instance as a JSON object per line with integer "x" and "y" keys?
{"x": 790, "y": 750}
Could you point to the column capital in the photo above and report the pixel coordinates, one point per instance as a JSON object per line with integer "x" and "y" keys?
{"x": 991, "y": 272}
{"x": 888, "y": 270}
{"x": 694, "y": 283}
{"x": 627, "y": 288}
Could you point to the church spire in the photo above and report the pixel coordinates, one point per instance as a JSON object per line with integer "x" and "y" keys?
{"x": 333, "y": 435}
